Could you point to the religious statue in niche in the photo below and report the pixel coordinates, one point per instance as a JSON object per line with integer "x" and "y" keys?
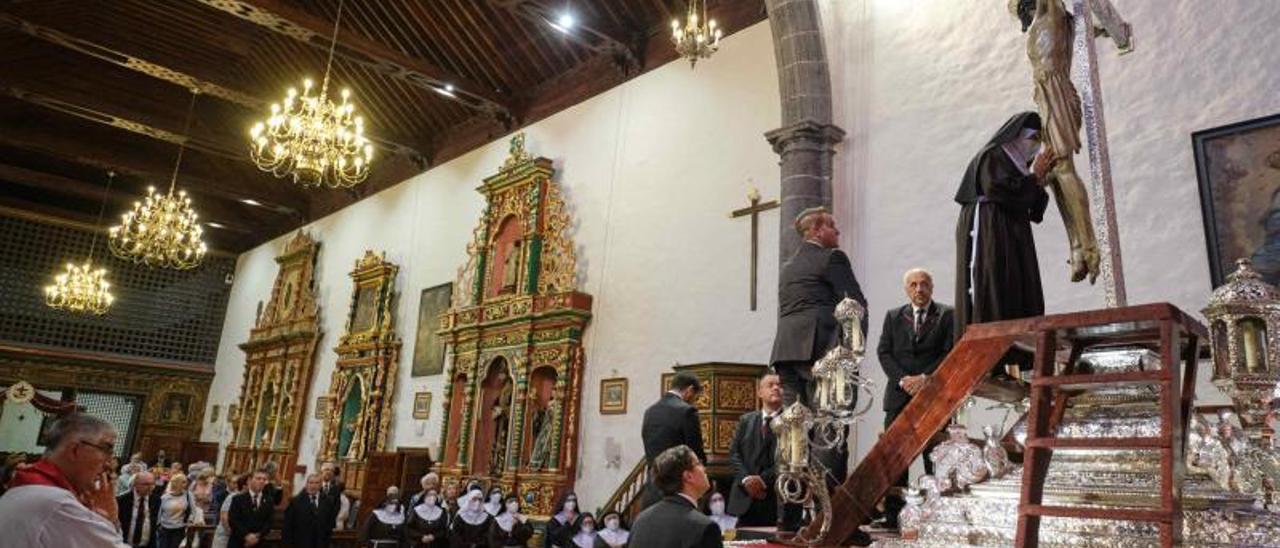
{"x": 511, "y": 268}
{"x": 542, "y": 419}
{"x": 1050, "y": 36}
{"x": 501, "y": 428}
{"x": 177, "y": 407}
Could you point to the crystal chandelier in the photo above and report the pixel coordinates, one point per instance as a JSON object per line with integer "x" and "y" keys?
{"x": 312, "y": 139}
{"x": 161, "y": 230}
{"x": 82, "y": 288}
{"x": 699, "y": 38}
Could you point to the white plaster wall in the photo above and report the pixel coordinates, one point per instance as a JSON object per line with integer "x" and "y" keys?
{"x": 921, "y": 84}
{"x": 650, "y": 170}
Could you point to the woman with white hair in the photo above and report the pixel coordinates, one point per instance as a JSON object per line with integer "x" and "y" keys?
{"x": 470, "y": 527}
{"x": 384, "y": 528}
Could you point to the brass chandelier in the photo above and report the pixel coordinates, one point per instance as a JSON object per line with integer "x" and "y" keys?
{"x": 82, "y": 288}
{"x": 312, "y": 139}
{"x": 698, "y": 38}
{"x": 162, "y": 230}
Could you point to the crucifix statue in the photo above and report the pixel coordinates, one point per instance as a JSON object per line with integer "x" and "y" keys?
{"x": 1055, "y": 36}
{"x": 754, "y": 211}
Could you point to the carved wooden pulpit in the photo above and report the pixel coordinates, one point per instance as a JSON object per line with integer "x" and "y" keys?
{"x": 514, "y": 329}
{"x": 728, "y": 392}
{"x": 280, "y": 360}
{"x": 358, "y": 422}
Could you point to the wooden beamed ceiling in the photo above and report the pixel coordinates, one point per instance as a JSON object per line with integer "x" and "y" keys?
{"x": 88, "y": 86}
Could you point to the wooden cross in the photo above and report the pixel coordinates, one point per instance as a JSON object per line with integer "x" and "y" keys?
{"x": 754, "y": 210}
{"x": 1110, "y": 24}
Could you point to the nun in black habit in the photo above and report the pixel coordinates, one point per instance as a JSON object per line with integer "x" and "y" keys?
{"x": 564, "y": 522}
{"x": 1002, "y": 193}
{"x": 470, "y": 528}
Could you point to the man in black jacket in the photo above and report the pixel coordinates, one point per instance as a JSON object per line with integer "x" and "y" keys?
{"x": 675, "y": 522}
{"x": 812, "y": 283}
{"x": 137, "y": 526}
{"x": 751, "y": 496}
{"x": 308, "y": 521}
{"x": 915, "y": 339}
{"x": 250, "y": 513}
{"x": 672, "y": 421}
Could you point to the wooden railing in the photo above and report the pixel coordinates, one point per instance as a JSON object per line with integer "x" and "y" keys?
{"x": 626, "y": 498}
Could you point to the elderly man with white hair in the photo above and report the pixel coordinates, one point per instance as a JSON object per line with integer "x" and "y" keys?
{"x": 914, "y": 340}
{"x": 66, "y": 498}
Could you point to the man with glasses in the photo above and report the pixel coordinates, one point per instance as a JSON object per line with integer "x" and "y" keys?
{"x": 140, "y": 511}
{"x": 66, "y": 498}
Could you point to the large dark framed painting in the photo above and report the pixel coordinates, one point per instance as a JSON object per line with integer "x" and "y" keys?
{"x": 1239, "y": 171}
{"x": 428, "y": 350}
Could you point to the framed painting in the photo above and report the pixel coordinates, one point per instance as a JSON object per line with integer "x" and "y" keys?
{"x": 422, "y": 405}
{"x": 1238, "y": 167}
{"x": 613, "y": 396}
{"x": 428, "y": 350}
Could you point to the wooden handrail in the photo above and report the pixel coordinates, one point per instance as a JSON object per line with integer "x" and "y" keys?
{"x": 624, "y": 498}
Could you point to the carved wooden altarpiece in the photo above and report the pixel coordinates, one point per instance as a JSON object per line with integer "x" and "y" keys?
{"x": 512, "y": 401}
{"x": 280, "y": 361}
{"x": 358, "y": 422}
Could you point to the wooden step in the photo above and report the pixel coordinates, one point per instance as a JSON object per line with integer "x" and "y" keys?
{"x": 1121, "y": 514}
{"x": 1130, "y": 377}
{"x": 1099, "y": 443}
{"x": 1001, "y": 390}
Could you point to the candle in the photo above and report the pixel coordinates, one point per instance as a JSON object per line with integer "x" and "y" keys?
{"x": 1252, "y": 337}
{"x": 822, "y": 393}
{"x": 841, "y": 398}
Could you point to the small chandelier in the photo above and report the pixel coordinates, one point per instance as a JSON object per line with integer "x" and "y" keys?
{"x": 699, "y": 37}
{"x": 161, "y": 230}
{"x": 312, "y": 139}
{"x": 82, "y": 288}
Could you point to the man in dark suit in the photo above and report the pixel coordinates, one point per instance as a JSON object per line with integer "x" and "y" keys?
{"x": 915, "y": 339}
{"x": 812, "y": 283}
{"x": 751, "y": 496}
{"x": 672, "y": 421}
{"x": 675, "y": 522}
{"x": 308, "y": 521}
{"x": 139, "y": 511}
{"x": 250, "y": 513}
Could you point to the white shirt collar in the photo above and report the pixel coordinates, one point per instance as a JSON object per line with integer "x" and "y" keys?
{"x": 691, "y": 500}
{"x": 916, "y": 309}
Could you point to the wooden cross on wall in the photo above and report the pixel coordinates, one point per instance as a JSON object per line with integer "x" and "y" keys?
{"x": 754, "y": 210}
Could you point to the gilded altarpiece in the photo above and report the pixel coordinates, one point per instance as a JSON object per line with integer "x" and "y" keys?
{"x": 280, "y": 361}
{"x": 512, "y": 401}
{"x": 358, "y": 423}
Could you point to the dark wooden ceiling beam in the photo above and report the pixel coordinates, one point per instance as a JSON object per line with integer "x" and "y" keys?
{"x": 598, "y": 35}
{"x": 126, "y": 190}
{"x": 282, "y": 18}
{"x": 168, "y": 74}
{"x": 106, "y": 153}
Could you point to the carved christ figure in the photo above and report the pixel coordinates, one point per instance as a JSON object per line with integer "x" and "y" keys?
{"x": 510, "y": 267}
{"x": 502, "y": 421}
{"x": 1050, "y": 34}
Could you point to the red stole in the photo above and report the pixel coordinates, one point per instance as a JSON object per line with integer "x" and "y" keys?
{"x": 42, "y": 472}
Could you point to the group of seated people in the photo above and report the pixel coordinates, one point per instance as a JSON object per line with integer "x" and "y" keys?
{"x": 474, "y": 519}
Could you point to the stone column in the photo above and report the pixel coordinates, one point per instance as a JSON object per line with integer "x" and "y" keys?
{"x": 806, "y": 140}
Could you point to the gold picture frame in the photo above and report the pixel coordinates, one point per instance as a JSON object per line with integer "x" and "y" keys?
{"x": 322, "y": 407}
{"x": 613, "y": 396}
{"x": 422, "y": 405}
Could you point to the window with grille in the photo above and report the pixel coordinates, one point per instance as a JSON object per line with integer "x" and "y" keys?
{"x": 159, "y": 313}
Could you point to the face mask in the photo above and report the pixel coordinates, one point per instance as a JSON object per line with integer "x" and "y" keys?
{"x": 431, "y": 499}
{"x": 611, "y": 524}
{"x": 496, "y": 497}
{"x": 474, "y": 505}
{"x": 588, "y": 528}
{"x": 513, "y": 507}
{"x": 390, "y": 506}
{"x": 717, "y": 507}
{"x": 570, "y": 505}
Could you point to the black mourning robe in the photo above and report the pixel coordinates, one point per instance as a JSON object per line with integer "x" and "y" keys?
{"x": 419, "y": 527}
{"x": 467, "y": 535}
{"x": 519, "y": 534}
{"x": 385, "y": 534}
{"x": 1005, "y": 279}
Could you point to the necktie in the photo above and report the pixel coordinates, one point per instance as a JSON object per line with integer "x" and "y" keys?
{"x": 256, "y": 500}
{"x": 314, "y": 504}
{"x": 919, "y": 319}
{"x": 139, "y": 514}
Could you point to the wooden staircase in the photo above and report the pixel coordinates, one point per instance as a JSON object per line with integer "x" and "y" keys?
{"x": 967, "y": 368}
{"x": 626, "y": 498}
